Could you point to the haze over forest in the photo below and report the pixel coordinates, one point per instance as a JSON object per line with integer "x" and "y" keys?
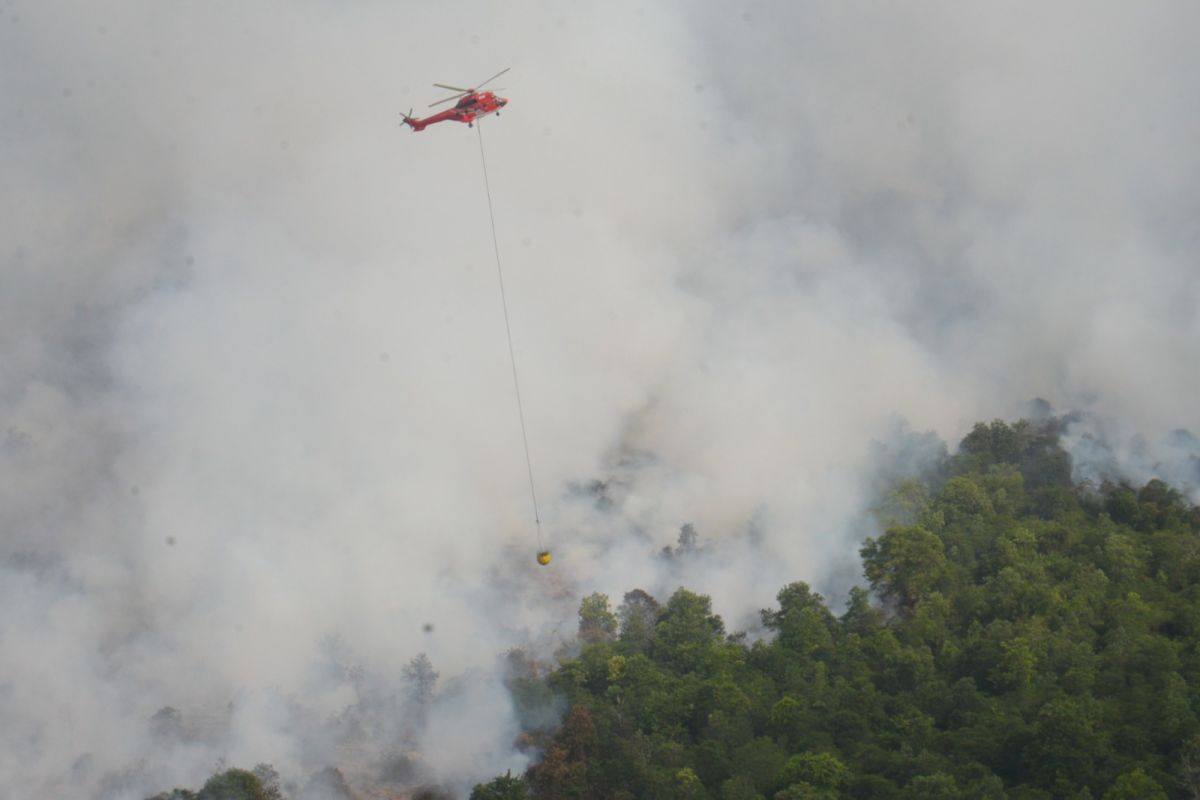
{"x": 258, "y": 442}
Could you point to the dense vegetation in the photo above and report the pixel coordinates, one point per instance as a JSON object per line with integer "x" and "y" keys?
{"x": 1023, "y": 638}
{"x": 233, "y": 784}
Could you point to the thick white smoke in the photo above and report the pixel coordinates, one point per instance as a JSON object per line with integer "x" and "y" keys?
{"x": 254, "y": 393}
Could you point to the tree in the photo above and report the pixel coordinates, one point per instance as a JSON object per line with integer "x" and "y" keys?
{"x": 1066, "y": 743}
{"x": 762, "y": 761}
{"x": 739, "y": 787}
{"x": 821, "y": 771}
{"x": 504, "y": 787}
{"x": 597, "y": 623}
{"x": 802, "y": 622}
{"x": 563, "y": 771}
{"x": 1189, "y": 767}
{"x": 687, "y": 630}
{"x": 688, "y": 545}
{"x": 805, "y": 791}
{"x": 270, "y": 780}
{"x": 994, "y": 443}
{"x": 687, "y": 786}
{"x": 577, "y": 736}
{"x": 963, "y": 499}
{"x": 1135, "y": 785}
{"x": 234, "y": 784}
{"x": 1033, "y": 447}
{"x": 860, "y": 616}
{"x": 167, "y": 725}
{"x": 421, "y": 679}
{"x": 904, "y": 564}
{"x": 557, "y": 776}
{"x": 938, "y": 786}
{"x": 637, "y": 615}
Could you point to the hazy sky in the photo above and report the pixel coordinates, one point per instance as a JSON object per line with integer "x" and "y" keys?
{"x": 256, "y": 415}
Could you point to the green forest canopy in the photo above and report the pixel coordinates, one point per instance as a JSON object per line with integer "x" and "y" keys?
{"x": 1029, "y": 638}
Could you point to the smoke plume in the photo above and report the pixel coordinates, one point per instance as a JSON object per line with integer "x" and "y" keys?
{"x": 259, "y": 448}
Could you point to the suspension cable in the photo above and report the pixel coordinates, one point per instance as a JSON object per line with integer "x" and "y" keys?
{"x": 508, "y": 334}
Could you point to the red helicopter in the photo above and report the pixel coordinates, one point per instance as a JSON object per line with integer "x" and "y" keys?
{"x": 474, "y": 104}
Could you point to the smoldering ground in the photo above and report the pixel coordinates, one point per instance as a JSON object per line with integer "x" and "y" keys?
{"x": 253, "y": 385}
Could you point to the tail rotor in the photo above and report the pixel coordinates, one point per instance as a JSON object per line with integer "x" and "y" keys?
{"x": 411, "y": 121}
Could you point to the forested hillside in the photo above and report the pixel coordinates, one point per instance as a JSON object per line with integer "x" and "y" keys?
{"x": 1022, "y": 637}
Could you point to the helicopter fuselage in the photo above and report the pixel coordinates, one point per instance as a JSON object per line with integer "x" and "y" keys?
{"x": 468, "y": 109}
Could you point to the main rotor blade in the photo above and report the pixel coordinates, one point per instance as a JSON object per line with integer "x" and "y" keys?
{"x": 448, "y": 99}
{"x": 497, "y": 75}
{"x": 453, "y": 88}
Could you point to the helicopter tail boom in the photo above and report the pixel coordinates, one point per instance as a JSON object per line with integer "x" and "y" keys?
{"x": 412, "y": 122}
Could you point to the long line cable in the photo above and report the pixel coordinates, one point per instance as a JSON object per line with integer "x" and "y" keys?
{"x": 512, "y": 357}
